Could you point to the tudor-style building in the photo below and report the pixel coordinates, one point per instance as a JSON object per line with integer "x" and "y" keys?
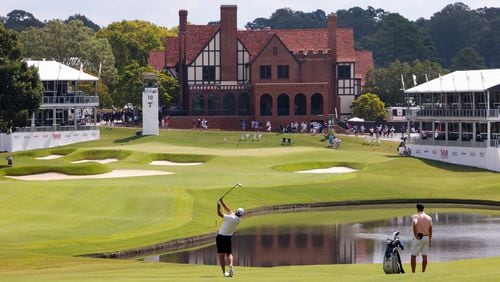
{"x": 228, "y": 75}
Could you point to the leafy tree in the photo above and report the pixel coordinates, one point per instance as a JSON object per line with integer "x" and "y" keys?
{"x": 363, "y": 22}
{"x": 369, "y": 107}
{"x": 396, "y": 39}
{"x": 20, "y": 20}
{"x": 132, "y": 40}
{"x": 489, "y": 43}
{"x": 286, "y": 18}
{"x": 71, "y": 43}
{"x": 454, "y": 28}
{"x": 387, "y": 81}
{"x": 467, "y": 59}
{"x": 130, "y": 86}
{"x": 20, "y": 87}
{"x": 86, "y": 22}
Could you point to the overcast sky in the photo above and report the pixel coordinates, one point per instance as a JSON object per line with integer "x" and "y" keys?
{"x": 165, "y": 12}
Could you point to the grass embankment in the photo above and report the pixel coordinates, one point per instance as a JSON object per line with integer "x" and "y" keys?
{"x": 45, "y": 223}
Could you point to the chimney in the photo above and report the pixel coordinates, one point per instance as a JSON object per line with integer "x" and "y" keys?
{"x": 332, "y": 34}
{"x": 228, "y": 42}
{"x": 182, "y": 70}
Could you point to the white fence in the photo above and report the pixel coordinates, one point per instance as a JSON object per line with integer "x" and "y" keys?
{"x": 486, "y": 158}
{"x": 22, "y": 141}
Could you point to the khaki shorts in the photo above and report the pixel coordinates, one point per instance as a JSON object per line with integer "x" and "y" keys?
{"x": 420, "y": 246}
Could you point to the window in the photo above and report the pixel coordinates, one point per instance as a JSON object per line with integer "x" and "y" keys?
{"x": 344, "y": 71}
{"x": 208, "y": 73}
{"x": 265, "y": 72}
{"x": 275, "y": 51}
{"x": 283, "y": 72}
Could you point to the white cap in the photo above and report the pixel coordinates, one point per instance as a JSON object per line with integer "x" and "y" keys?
{"x": 240, "y": 212}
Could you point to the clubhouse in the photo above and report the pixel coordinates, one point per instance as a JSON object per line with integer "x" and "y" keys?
{"x": 228, "y": 76}
{"x": 459, "y": 119}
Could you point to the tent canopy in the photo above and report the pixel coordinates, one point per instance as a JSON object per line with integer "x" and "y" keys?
{"x": 356, "y": 119}
{"x": 460, "y": 81}
{"x": 55, "y": 71}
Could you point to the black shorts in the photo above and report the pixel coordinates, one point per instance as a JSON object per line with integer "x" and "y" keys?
{"x": 223, "y": 244}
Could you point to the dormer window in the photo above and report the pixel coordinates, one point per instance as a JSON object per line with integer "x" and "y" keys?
{"x": 208, "y": 73}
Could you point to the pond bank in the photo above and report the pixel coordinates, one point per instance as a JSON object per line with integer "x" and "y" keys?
{"x": 208, "y": 238}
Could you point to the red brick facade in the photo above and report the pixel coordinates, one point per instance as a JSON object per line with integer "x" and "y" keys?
{"x": 228, "y": 75}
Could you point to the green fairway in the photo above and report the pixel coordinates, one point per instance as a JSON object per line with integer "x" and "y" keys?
{"x": 45, "y": 224}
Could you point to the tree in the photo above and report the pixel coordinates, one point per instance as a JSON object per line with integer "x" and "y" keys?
{"x": 467, "y": 59}
{"x": 86, "y": 22}
{"x": 20, "y": 87}
{"x": 369, "y": 107}
{"x": 132, "y": 40}
{"x": 287, "y": 18}
{"x": 489, "y": 43}
{"x": 363, "y": 22}
{"x": 386, "y": 82}
{"x": 454, "y": 28}
{"x": 20, "y": 20}
{"x": 71, "y": 43}
{"x": 396, "y": 39}
{"x": 130, "y": 86}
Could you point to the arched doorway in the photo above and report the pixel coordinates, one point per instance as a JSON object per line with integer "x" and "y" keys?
{"x": 198, "y": 105}
{"x": 316, "y": 104}
{"x": 283, "y": 105}
{"x": 229, "y": 104}
{"x": 299, "y": 105}
{"x": 213, "y": 104}
{"x": 266, "y": 105}
{"x": 244, "y": 104}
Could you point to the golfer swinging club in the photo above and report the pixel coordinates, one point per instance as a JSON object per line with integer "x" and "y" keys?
{"x": 224, "y": 235}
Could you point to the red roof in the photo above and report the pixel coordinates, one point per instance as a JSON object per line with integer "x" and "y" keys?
{"x": 198, "y": 36}
{"x": 364, "y": 62}
{"x": 157, "y": 59}
{"x": 345, "y": 45}
{"x": 172, "y": 51}
{"x": 304, "y": 39}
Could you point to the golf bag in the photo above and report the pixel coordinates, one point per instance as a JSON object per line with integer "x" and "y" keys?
{"x": 392, "y": 259}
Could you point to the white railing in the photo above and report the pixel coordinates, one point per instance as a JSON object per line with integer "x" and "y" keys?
{"x": 49, "y": 101}
{"x": 456, "y": 113}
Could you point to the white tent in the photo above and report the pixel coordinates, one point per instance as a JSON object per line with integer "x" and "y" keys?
{"x": 53, "y": 71}
{"x": 460, "y": 81}
{"x": 356, "y": 119}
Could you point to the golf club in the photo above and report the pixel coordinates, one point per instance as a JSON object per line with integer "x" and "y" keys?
{"x": 235, "y": 185}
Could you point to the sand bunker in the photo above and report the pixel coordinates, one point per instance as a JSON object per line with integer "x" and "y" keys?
{"x": 172, "y": 163}
{"x": 336, "y": 169}
{"x": 50, "y": 157}
{"x": 113, "y": 174}
{"x": 103, "y": 161}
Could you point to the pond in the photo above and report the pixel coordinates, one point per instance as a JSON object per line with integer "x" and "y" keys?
{"x": 456, "y": 236}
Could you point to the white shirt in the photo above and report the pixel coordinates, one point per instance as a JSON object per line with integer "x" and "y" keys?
{"x": 229, "y": 224}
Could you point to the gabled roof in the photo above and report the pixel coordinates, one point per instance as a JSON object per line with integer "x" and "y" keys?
{"x": 157, "y": 59}
{"x": 364, "y": 62}
{"x": 53, "y": 71}
{"x": 460, "y": 81}
{"x": 197, "y": 36}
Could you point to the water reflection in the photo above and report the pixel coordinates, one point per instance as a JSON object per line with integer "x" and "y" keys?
{"x": 456, "y": 236}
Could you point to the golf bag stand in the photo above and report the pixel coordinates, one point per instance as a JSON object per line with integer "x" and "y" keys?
{"x": 392, "y": 259}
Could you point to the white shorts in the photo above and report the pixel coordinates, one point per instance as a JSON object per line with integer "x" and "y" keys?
{"x": 420, "y": 246}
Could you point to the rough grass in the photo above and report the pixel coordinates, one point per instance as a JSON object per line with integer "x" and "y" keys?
{"x": 315, "y": 165}
{"x": 45, "y": 223}
{"x": 181, "y": 158}
{"x": 99, "y": 154}
{"x": 74, "y": 169}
